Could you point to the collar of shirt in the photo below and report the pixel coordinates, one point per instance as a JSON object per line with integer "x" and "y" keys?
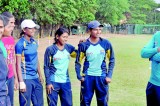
{"x": 31, "y": 40}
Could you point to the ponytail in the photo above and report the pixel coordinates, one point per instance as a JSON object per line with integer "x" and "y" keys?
{"x": 21, "y": 34}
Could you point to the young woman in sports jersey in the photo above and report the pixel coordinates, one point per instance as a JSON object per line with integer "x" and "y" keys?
{"x": 4, "y": 99}
{"x": 151, "y": 51}
{"x": 9, "y": 44}
{"x": 56, "y": 62}
{"x": 96, "y": 74}
{"x": 27, "y": 65}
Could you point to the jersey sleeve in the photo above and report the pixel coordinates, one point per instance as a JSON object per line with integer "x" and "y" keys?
{"x": 111, "y": 58}
{"x": 79, "y": 57}
{"x": 156, "y": 57}
{"x": 3, "y": 73}
{"x": 47, "y": 65}
{"x": 149, "y": 50}
{"x": 19, "y": 48}
{"x": 73, "y": 51}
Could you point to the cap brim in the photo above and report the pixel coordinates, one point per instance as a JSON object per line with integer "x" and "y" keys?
{"x": 101, "y": 25}
{"x": 37, "y": 26}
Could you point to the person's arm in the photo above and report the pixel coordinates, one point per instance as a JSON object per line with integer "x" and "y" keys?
{"x": 16, "y": 84}
{"x": 156, "y": 57}
{"x": 3, "y": 72}
{"x": 111, "y": 64}
{"x": 40, "y": 74}
{"x": 73, "y": 51}
{"x": 79, "y": 57}
{"x": 149, "y": 50}
{"x": 22, "y": 85}
{"x": 47, "y": 66}
{"x": 19, "y": 58}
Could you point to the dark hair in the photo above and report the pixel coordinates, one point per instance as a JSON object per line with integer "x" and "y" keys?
{"x": 7, "y": 14}
{"x": 4, "y": 19}
{"x": 88, "y": 29}
{"x": 59, "y": 32}
{"x": 21, "y": 34}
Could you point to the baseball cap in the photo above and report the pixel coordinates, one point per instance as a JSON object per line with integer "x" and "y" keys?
{"x": 28, "y": 23}
{"x": 94, "y": 24}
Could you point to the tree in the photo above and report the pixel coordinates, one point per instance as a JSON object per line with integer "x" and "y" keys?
{"x": 140, "y": 10}
{"x": 86, "y": 10}
{"x": 19, "y": 8}
{"x": 54, "y": 11}
{"x": 68, "y": 12}
{"x": 112, "y": 11}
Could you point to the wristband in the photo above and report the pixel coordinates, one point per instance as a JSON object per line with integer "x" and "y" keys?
{"x": 22, "y": 85}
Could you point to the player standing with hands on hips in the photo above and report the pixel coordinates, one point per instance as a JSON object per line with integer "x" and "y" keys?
{"x": 96, "y": 76}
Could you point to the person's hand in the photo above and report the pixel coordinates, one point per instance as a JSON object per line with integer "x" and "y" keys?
{"x": 108, "y": 80}
{"x": 158, "y": 49}
{"x": 16, "y": 84}
{"x": 49, "y": 88}
{"x": 82, "y": 40}
{"x": 22, "y": 86}
{"x": 41, "y": 79}
{"x": 82, "y": 80}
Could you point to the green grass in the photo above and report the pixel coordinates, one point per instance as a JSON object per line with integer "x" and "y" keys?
{"x": 131, "y": 72}
{"x": 130, "y": 75}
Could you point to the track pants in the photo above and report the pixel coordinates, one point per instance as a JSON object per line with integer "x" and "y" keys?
{"x": 65, "y": 93}
{"x": 5, "y": 101}
{"x": 153, "y": 95}
{"x": 93, "y": 84}
{"x": 34, "y": 93}
{"x": 10, "y": 84}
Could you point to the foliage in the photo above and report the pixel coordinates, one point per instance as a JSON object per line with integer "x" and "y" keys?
{"x": 140, "y": 10}
{"x": 155, "y": 15}
{"x": 112, "y": 11}
{"x": 62, "y": 12}
{"x": 69, "y": 12}
{"x": 41, "y": 11}
{"x": 86, "y": 10}
{"x": 18, "y": 7}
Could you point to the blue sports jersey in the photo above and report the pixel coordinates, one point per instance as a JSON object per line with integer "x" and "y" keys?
{"x": 3, "y": 74}
{"x": 150, "y": 51}
{"x": 95, "y": 58}
{"x": 56, "y": 63}
{"x": 29, "y": 62}
{"x": 2, "y": 47}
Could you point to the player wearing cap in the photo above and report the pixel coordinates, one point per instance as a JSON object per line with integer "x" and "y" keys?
{"x": 96, "y": 74}
{"x": 27, "y": 66}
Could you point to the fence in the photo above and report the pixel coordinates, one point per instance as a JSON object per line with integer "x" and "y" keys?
{"x": 136, "y": 29}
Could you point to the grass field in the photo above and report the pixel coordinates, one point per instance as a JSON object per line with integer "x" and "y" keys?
{"x": 130, "y": 75}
